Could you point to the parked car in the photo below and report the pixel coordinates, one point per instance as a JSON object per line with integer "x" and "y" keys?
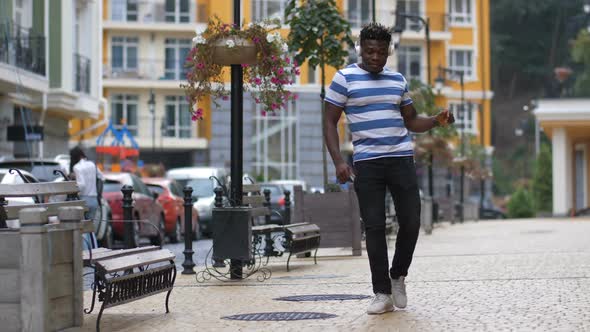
{"x": 200, "y": 179}
{"x": 277, "y": 200}
{"x": 171, "y": 197}
{"x": 145, "y": 207}
{"x": 42, "y": 169}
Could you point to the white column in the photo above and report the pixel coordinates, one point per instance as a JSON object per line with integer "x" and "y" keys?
{"x": 562, "y": 172}
{"x": 68, "y": 15}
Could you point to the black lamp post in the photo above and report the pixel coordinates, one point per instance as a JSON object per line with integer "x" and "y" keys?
{"x": 152, "y": 108}
{"x": 426, "y": 23}
{"x": 439, "y": 82}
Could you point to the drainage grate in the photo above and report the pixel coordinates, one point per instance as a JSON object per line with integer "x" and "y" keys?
{"x": 325, "y": 297}
{"x": 280, "y": 316}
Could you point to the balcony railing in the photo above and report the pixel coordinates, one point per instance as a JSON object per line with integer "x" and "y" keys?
{"x": 22, "y": 47}
{"x": 82, "y": 73}
{"x": 151, "y": 11}
{"x": 438, "y": 22}
{"x": 144, "y": 69}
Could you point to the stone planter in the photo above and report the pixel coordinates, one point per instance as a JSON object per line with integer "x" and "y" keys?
{"x": 336, "y": 213}
{"x": 244, "y": 52}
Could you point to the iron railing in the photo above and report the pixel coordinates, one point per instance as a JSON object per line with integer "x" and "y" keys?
{"x": 145, "y": 69}
{"x": 82, "y": 73}
{"x": 22, "y": 47}
{"x": 437, "y": 21}
{"x": 151, "y": 11}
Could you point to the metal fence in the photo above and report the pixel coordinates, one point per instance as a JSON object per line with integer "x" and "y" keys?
{"x": 22, "y": 47}
{"x": 152, "y": 69}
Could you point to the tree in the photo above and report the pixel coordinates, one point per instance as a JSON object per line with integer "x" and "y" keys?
{"x": 318, "y": 33}
{"x": 543, "y": 180}
{"x": 581, "y": 54}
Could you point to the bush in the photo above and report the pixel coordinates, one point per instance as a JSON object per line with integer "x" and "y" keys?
{"x": 521, "y": 204}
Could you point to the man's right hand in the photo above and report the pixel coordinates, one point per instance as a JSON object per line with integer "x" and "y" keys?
{"x": 344, "y": 172}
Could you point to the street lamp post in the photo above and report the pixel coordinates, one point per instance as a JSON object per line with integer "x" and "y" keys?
{"x": 399, "y": 29}
{"x": 439, "y": 83}
{"x": 152, "y": 108}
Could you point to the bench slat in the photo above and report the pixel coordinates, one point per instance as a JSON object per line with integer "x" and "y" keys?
{"x": 250, "y": 188}
{"x": 104, "y": 253}
{"x": 132, "y": 261}
{"x": 255, "y": 200}
{"x": 44, "y": 188}
{"x": 52, "y": 208}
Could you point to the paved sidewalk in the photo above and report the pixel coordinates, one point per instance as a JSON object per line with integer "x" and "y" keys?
{"x": 480, "y": 276}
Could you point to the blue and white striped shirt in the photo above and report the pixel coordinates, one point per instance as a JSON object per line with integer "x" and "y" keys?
{"x": 372, "y": 104}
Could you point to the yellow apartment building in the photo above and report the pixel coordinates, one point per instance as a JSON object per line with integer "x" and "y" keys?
{"x": 144, "y": 43}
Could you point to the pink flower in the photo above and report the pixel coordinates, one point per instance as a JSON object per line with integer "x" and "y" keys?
{"x": 199, "y": 112}
{"x": 273, "y": 58}
{"x": 194, "y": 117}
{"x": 295, "y": 63}
{"x": 256, "y": 40}
{"x": 287, "y": 60}
{"x": 297, "y": 71}
{"x": 263, "y": 113}
{"x": 274, "y": 106}
{"x": 257, "y": 100}
{"x": 280, "y": 71}
{"x": 245, "y": 65}
{"x": 274, "y": 80}
{"x": 257, "y": 81}
{"x": 200, "y": 65}
{"x": 295, "y": 96}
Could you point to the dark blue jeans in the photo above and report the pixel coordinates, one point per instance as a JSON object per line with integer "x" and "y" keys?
{"x": 373, "y": 178}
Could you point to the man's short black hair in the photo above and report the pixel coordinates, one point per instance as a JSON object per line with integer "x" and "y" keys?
{"x": 375, "y": 31}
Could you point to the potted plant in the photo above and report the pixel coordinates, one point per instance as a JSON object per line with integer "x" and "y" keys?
{"x": 258, "y": 47}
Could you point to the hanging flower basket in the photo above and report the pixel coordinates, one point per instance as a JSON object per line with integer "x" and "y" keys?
{"x": 263, "y": 54}
{"x": 234, "y": 51}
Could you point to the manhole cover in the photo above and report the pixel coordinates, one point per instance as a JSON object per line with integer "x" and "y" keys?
{"x": 325, "y": 297}
{"x": 280, "y": 316}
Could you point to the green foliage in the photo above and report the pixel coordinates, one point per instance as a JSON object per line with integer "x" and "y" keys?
{"x": 503, "y": 178}
{"x": 318, "y": 32}
{"x": 543, "y": 180}
{"x": 581, "y": 54}
{"x": 529, "y": 39}
{"x": 521, "y": 204}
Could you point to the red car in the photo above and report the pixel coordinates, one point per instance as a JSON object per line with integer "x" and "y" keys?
{"x": 170, "y": 195}
{"x": 145, "y": 207}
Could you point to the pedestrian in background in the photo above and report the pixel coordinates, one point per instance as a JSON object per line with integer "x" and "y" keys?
{"x": 86, "y": 174}
{"x": 380, "y": 114}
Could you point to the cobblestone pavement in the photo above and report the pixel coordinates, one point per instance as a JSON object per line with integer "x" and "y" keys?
{"x": 526, "y": 275}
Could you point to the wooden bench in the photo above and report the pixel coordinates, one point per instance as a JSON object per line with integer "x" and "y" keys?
{"x": 299, "y": 238}
{"x": 123, "y": 276}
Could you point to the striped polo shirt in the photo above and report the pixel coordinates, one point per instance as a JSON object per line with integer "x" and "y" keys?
{"x": 372, "y": 104}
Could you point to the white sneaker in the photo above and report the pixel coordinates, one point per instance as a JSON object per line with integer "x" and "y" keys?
{"x": 382, "y": 303}
{"x": 398, "y": 291}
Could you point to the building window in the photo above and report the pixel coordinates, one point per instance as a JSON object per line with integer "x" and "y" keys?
{"x": 465, "y": 120}
{"x": 124, "y": 54}
{"x": 409, "y": 59}
{"x": 460, "y": 12}
{"x": 178, "y": 11}
{"x": 178, "y": 118}
{"x": 124, "y": 10}
{"x": 124, "y": 111}
{"x": 175, "y": 54}
{"x": 462, "y": 60}
{"x": 276, "y": 144}
{"x": 411, "y": 7}
{"x": 359, "y": 12}
{"x": 268, "y": 9}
